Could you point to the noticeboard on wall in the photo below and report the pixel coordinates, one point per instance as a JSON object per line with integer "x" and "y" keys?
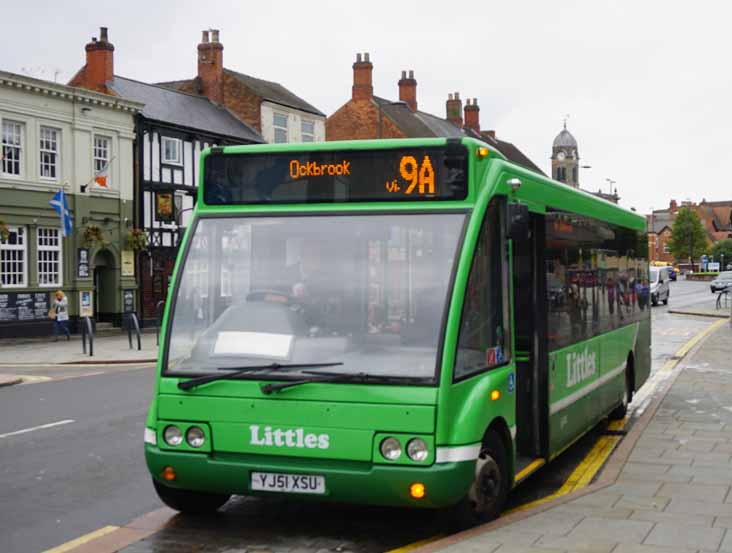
{"x": 24, "y": 306}
{"x": 86, "y": 303}
{"x": 128, "y": 263}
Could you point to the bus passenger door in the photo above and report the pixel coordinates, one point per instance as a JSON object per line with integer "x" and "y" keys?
{"x": 530, "y": 327}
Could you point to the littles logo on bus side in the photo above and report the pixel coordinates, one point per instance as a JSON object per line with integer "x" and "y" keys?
{"x": 295, "y": 438}
{"x": 580, "y": 367}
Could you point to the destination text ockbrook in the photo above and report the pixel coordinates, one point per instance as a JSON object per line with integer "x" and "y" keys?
{"x": 314, "y": 169}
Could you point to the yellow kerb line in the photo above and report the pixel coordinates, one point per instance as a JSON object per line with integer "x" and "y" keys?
{"x": 73, "y": 544}
{"x": 416, "y": 544}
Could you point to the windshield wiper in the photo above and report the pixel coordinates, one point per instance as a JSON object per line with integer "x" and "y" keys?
{"x": 241, "y": 371}
{"x": 324, "y": 376}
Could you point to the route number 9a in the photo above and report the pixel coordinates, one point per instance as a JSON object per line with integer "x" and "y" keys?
{"x": 416, "y": 175}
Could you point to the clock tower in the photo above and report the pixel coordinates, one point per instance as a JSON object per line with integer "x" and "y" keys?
{"x": 565, "y": 158}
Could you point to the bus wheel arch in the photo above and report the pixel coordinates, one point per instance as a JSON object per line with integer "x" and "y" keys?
{"x": 499, "y": 426}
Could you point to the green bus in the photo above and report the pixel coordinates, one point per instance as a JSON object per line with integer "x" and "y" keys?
{"x": 412, "y": 322}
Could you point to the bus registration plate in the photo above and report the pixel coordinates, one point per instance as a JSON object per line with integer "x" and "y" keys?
{"x": 288, "y": 483}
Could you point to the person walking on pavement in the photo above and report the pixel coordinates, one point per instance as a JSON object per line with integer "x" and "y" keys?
{"x": 61, "y": 315}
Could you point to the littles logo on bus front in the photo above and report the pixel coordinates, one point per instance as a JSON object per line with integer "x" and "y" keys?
{"x": 295, "y": 438}
{"x": 580, "y": 367}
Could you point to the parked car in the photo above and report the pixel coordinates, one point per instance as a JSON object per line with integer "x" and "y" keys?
{"x": 659, "y": 279}
{"x": 722, "y": 281}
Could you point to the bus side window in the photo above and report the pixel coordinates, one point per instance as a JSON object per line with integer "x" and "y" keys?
{"x": 484, "y": 340}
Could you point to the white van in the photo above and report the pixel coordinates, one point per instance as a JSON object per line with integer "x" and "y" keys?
{"x": 659, "y": 280}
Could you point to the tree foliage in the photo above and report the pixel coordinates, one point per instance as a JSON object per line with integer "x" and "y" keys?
{"x": 688, "y": 239}
{"x": 722, "y": 247}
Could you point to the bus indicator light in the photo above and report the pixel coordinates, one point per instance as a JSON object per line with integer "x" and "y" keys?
{"x": 417, "y": 490}
{"x": 495, "y": 395}
{"x": 482, "y": 152}
{"x": 169, "y": 474}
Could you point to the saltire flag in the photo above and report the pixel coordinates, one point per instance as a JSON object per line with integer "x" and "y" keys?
{"x": 101, "y": 176}
{"x": 58, "y": 203}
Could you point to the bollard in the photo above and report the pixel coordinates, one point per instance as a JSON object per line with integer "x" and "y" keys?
{"x": 87, "y": 330}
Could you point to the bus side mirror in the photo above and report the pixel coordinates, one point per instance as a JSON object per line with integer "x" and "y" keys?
{"x": 518, "y": 221}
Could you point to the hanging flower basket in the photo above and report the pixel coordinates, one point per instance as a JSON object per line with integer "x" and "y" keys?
{"x": 94, "y": 236}
{"x": 137, "y": 240}
{"x": 4, "y": 231}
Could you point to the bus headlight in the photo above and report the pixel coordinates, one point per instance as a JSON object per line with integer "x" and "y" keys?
{"x": 195, "y": 437}
{"x": 173, "y": 436}
{"x": 417, "y": 450}
{"x": 391, "y": 449}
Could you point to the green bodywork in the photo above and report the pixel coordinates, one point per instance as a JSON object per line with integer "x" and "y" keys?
{"x": 451, "y": 417}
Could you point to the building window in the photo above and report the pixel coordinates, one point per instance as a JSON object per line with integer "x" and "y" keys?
{"x": 307, "y": 131}
{"x": 665, "y": 248}
{"x": 172, "y": 150}
{"x": 561, "y": 175}
{"x": 13, "y": 259}
{"x": 102, "y": 157}
{"x": 49, "y": 257}
{"x": 280, "y": 128}
{"x": 12, "y": 142}
{"x": 49, "y": 148}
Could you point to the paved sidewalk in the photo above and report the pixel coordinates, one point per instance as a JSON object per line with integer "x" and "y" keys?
{"x": 108, "y": 348}
{"x": 670, "y": 495}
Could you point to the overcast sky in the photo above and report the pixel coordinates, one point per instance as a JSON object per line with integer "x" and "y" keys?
{"x": 647, "y": 84}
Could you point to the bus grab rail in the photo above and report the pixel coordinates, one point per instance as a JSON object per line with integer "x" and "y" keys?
{"x": 87, "y": 329}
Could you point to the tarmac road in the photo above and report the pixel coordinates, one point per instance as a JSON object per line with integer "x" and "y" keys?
{"x": 87, "y": 471}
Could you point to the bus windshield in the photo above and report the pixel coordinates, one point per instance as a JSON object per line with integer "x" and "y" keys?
{"x": 368, "y": 291}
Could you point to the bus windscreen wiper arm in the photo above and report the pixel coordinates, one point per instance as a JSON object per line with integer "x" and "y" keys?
{"x": 239, "y": 371}
{"x": 324, "y": 376}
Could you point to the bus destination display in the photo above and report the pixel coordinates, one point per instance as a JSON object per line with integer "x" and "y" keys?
{"x": 413, "y": 174}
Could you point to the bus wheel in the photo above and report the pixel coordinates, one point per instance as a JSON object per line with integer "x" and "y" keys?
{"x": 622, "y": 409}
{"x": 187, "y": 501}
{"x": 488, "y": 492}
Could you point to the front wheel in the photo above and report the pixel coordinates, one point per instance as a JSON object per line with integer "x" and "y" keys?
{"x": 187, "y": 501}
{"x": 487, "y": 494}
{"x": 665, "y": 302}
{"x": 654, "y": 300}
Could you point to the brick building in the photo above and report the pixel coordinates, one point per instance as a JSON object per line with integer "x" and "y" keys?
{"x": 716, "y": 218}
{"x": 274, "y": 111}
{"x": 366, "y": 116}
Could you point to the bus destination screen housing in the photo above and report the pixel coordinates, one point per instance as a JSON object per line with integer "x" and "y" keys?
{"x": 408, "y": 174}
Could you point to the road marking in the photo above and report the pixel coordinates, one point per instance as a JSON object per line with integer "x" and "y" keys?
{"x": 69, "y": 545}
{"x": 415, "y": 544}
{"x": 535, "y": 465}
{"x": 41, "y": 427}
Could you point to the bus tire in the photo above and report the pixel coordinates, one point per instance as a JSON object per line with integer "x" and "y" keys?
{"x": 187, "y": 501}
{"x": 621, "y": 410}
{"x": 487, "y": 494}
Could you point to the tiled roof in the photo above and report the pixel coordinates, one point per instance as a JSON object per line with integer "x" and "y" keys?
{"x": 274, "y": 92}
{"x": 186, "y": 110}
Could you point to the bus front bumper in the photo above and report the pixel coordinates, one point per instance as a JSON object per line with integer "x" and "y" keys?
{"x": 348, "y": 481}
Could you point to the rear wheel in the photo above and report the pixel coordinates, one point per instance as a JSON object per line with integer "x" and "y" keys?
{"x": 187, "y": 501}
{"x": 654, "y": 299}
{"x": 665, "y": 302}
{"x": 487, "y": 495}
{"x": 621, "y": 410}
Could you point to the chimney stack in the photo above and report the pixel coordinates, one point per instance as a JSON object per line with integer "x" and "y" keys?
{"x": 99, "y": 68}
{"x": 408, "y": 90}
{"x": 454, "y": 108}
{"x": 491, "y": 133}
{"x": 363, "y": 88}
{"x": 211, "y": 66}
{"x": 472, "y": 115}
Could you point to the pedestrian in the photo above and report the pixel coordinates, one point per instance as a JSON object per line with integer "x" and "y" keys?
{"x": 60, "y": 315}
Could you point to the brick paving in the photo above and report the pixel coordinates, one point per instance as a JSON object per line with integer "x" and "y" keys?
{"x": 671, "y": 495}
